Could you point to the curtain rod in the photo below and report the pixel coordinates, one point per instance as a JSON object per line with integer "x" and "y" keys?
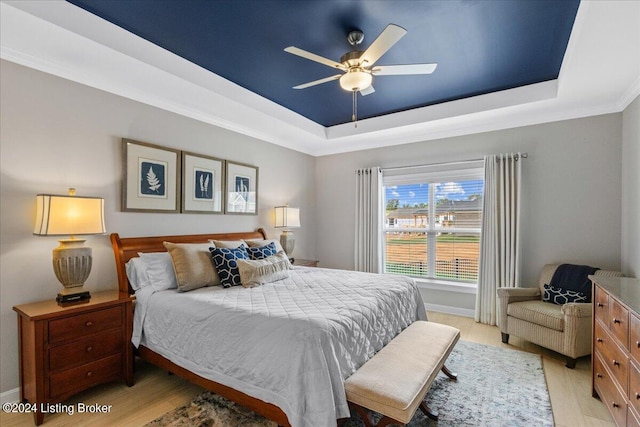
{"x": 523, "y": 155}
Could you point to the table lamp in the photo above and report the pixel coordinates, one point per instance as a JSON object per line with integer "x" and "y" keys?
{"x": 71, "y": 215}
{"x": 287, "y": 218}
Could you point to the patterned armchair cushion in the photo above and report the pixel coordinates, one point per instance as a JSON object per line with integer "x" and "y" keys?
{"x": 562, "y": 296}
{"x": 225, "y": 261}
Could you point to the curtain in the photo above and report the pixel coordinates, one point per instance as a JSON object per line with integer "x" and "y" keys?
{"x": 500, "y": 243}
{"x": 369, "y": 215}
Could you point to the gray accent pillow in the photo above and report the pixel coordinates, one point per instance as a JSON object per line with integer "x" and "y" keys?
{"x": 192, "y": 264}
{"x": 258, "y": 272}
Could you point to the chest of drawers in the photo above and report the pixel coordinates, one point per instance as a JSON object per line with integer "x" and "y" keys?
{"x": 616, "y": 347}
{"x": 64, "y": 350}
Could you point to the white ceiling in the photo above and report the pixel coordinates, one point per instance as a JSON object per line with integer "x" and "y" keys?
{"x": 600, "y": 74}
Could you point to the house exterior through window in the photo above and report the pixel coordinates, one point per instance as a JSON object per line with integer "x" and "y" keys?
{"x": 432, "y": 221}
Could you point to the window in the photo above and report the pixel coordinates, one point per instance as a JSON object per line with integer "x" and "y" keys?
{"x": 433, "y": 217}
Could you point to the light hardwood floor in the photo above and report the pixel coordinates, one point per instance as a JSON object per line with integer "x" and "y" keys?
{"x": 155, "y": 392}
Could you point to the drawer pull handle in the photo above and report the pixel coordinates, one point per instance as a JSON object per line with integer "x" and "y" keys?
{"x": 599, "y": 375}
{"x": 615, "y": 405}
{"x": 89, "y": 323}
{"x": 600, "y": 304}
{"x": 616, "y": 363}
{"x": 89, "y": 349}
{"x": 616, "y": 320}
{"x": 89, "y": 373}
{"x": 638, "y": 344}
{"x": 637, "y": 396}
{"x": 599, "y": 339}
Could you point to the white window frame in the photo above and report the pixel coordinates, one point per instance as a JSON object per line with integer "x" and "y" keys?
{"x": 433, "y": 174}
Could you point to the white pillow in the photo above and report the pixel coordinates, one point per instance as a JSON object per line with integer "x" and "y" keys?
{"x": 137, "y": 273}
{"x": 160, "y": 270}
{"x": 260, "y": 271}
{"x": 227, "y": 244}
{"x": 256, "y": 243}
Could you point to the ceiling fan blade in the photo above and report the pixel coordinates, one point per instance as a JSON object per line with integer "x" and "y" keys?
{"x": 316, "y": 58}
{"x": 389, "y": 36}
{"x": 367, "y": 91}
{"x": 318, "y": 82}
{"x": 396, "y": 70}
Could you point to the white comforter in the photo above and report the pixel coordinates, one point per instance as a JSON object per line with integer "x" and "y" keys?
{"x": 291, "y": 343}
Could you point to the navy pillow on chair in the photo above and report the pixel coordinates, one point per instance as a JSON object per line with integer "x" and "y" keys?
{"x": 263, "y": 251}
{"x": 224, "y": 260}
{"x": 562, "y": 296}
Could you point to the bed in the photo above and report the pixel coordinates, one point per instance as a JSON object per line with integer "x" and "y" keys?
{"x": 282, "y": 349}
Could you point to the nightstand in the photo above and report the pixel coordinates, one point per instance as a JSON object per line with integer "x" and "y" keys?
{"x": 65, "y": 350}
{"x": 305, "y": 262}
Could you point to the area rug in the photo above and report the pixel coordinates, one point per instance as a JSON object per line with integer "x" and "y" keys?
{"x": 495, "y": 387}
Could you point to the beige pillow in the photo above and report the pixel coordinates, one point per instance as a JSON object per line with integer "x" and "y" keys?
{"x": 256, "y": 243}
{"x": 228, "y": 244}
{"x": 193, "y": 266}
{"x": 261, "y": 271}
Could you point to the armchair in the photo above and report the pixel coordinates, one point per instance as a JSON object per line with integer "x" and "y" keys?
{"x": 565, "y": 329}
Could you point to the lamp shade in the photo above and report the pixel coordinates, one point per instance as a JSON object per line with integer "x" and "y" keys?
{"x": 69, "y": 215}
{"x": 287, "y": 217}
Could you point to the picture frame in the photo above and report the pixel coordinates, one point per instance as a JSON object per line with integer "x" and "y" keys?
{"x": 242, "y": 189}
{"x": 151, "y": 178}
{"x": 202, "y": 184}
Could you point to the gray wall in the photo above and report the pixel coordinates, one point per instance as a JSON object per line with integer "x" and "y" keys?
{"x": 57, "y": 134}
{"x": 571, "y": 209}
{"x": 631, "y": 189}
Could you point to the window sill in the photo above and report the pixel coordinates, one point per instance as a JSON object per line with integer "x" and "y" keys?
{"x": 441, "y": 285}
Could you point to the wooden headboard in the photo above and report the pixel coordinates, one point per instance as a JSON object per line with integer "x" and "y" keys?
{"x": 125, "y": 248}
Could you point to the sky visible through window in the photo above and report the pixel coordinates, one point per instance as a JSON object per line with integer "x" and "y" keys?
{"x": 410, "y": 195}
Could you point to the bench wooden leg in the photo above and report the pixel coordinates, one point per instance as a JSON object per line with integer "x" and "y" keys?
{"x": 448, "y": 373}
{"x": 431, "y": 414}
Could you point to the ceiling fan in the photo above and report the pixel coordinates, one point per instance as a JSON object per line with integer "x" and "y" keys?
{"x": 358, "y": 67}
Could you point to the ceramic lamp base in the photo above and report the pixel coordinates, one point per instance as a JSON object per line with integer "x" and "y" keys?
{"x": 288, "y": 241}
{"x": 72, "y": 264}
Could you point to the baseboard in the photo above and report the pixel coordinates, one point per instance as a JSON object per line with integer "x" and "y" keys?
{"x": 466, "y": 312}
{"x": 10, "y": 396}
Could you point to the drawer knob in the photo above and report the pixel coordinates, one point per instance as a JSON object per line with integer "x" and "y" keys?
{"x": 599, "y": 339}
{"x": 599, "y": 375}
{"x": 89, "y": 323}
{"x": 637, "y": 396}
{"x": 615, "y": 405}
{"x": 616, "y": 363}
{"x": 600, "y": 304}
{"x": 89, "y": 373}
{"x": 89, "y": 349}
{"x": 616, "y": 320}
{"x": 638, "y": 344}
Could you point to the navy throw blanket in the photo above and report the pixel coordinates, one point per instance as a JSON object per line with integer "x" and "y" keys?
{"x": 574, "y": 278}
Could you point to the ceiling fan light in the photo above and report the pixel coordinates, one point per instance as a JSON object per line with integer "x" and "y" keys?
{"x": 355, "y": 80}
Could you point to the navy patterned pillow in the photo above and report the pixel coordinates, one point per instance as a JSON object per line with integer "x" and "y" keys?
{"x": 263, "y": 251}
{"x": 224, "y": 260}
{"x": 562, "y": 296}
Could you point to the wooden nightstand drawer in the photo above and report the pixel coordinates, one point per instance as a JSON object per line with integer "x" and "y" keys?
{"x": 612, "y": 355}
{"x": 82, "y": 377}
{"x": 609, "y": 393}
{"x": 619, "y": 322}
{"x": 81, "y": 325}
{"x": 86, "y": 350}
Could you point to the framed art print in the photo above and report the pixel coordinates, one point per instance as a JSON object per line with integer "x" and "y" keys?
{"x": 242, "y": 189}
{"x": 151, "y": 177}
{"x": 202, "y": 183}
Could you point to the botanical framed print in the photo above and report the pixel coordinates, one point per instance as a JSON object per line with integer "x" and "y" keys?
{"x": 202, "y": 186}
{"x": 242, "y": 189}
{"x": 151, "y": 177}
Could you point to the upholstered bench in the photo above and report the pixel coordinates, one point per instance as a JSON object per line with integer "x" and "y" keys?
{"x": 396, "y": 379}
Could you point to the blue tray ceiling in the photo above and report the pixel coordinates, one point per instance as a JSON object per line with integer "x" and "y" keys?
{"x": 480, "y": 46}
